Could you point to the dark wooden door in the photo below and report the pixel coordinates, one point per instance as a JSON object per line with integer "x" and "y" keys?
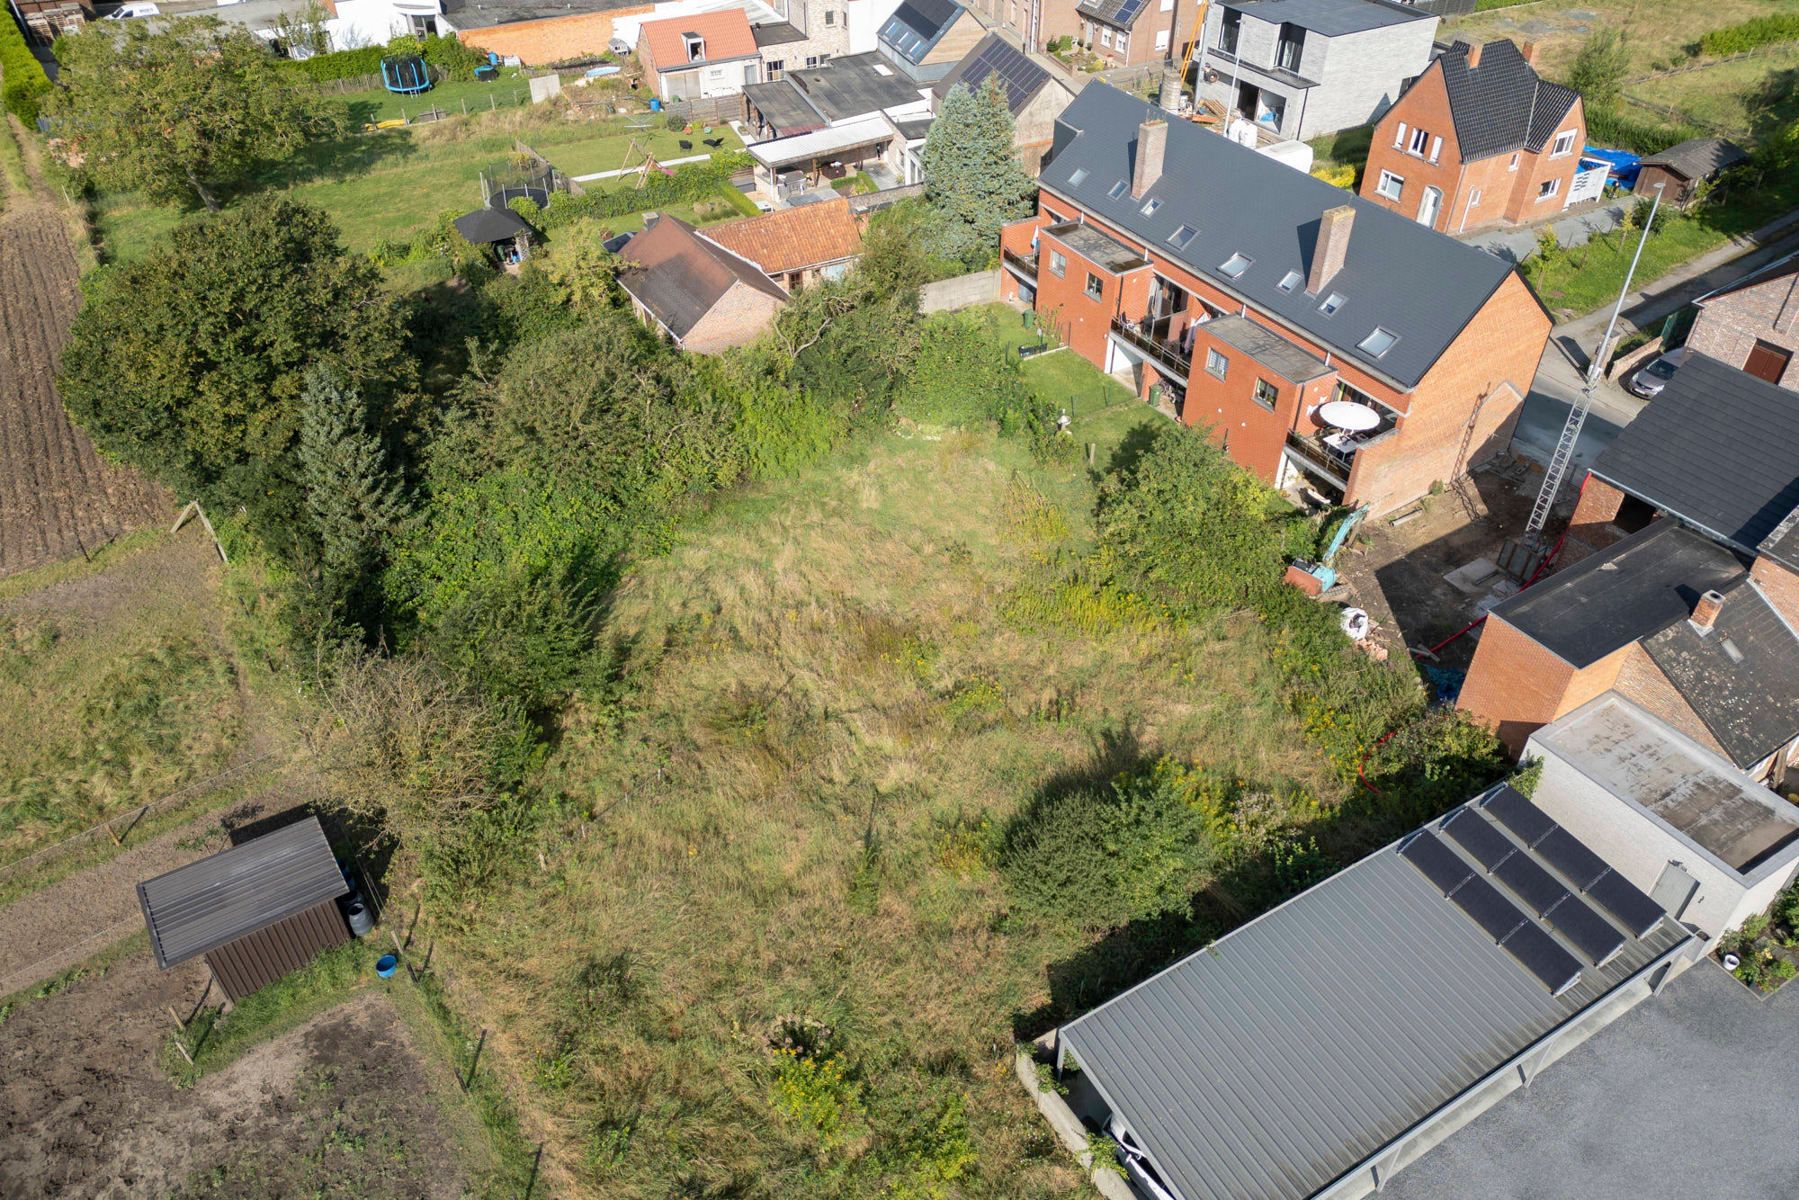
{"x": 1768, "y": 362}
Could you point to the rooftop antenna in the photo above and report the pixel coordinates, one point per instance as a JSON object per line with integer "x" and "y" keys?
{"x": 1583, "y": 403}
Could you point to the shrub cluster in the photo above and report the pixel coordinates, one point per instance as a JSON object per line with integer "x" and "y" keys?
{"x": 450, "y": 55}
{"x": 26, "y": 84}
{"x": 1750, "y": 35}
{"x": 1610, "y": 125}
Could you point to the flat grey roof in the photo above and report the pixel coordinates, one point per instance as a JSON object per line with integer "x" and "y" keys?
{"x": 1280, "y": 1058}
{"x": 1631, "y": 754}
{"x": 484, "y": 14}
{"x": 855, "y": 85}
{"x": 1715, "y": 449}
{"x": 1690, "y": 1094}
{"x": 1096, "y": 247}
{"x": 1632, "y": 590}
{"x": 1268, "y": 348}
{"x": 1330, "y": 17}
{"x": 777, "y": 33}
{"x": 1397, "y": 275}
{"x": 206, "y": 904}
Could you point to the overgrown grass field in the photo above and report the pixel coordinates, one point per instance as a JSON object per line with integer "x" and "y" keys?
{"x": 116, "y": 688}
{"x": 392, "y": 183}
{"x": 841, "y": 691}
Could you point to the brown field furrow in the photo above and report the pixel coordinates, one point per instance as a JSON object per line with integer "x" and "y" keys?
{"x": 57, "y": 496}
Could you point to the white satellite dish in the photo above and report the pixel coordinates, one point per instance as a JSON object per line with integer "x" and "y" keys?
{"x": 1349, "y": 415}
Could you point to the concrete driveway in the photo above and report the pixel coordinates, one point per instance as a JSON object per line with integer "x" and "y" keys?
{"x": 1691, "y": 1094}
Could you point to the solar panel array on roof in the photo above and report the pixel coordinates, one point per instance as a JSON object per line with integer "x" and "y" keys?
{"x": 1540, "y": 865}
{"x": 1006, "y": 65}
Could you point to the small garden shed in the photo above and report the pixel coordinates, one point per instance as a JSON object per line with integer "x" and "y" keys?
{"x": 255, "y": 911}
{"x": 507, "y": 232}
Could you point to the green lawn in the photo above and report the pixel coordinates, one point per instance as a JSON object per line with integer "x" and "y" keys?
{"x": 1344, "y": 148}
{"x": 452, "y": 96}
{"x": 389, "y": 184}
{"x": 1729, "y": 95}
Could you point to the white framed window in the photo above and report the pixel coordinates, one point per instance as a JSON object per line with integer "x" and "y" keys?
{"x": 1474, "y": 198}
{"x": 1564, "y": 144}
{"x": 1216, "y": 363}
{"x": 1399, "y": 136}
{"x": 1289, "y": 281}
{"x": 1105, "y": 36}
{"x": 1390, "y": 186}
{"x": 1267, "y": 394}
{"x": 1513, "y": 165}
{"x": 1332, "y": 303}
{"x": 1549, "y": 189}
{"x": 1235, "y": 265}
{"x": 1058, "y": 263}
{"x": 1095, "y": 286}
{"x": 1122, "y": 45}
{"x": 1436, "y": 148}
{"x": 1161, "y": 39}
{"x": 1420, "y": 139}
{"x": 1378, "y": 342}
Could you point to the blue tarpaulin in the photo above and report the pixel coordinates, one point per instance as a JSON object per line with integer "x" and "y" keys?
{"x": 1624, "y": 164}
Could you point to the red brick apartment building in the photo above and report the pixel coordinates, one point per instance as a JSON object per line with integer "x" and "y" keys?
{"x": 1681, "y": 589}
{"x": 1479, "y": 140}
{"x": 1245, "y": 295}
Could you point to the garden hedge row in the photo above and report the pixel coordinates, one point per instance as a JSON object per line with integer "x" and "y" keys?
{"x": 1751, "y": 35}
{"x": 450, "y": 55}
{"x": 26, "y": 84}
{"x": 1607, "y": 126}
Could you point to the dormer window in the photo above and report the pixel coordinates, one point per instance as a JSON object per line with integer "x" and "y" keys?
{"x": 1235, "y": 265}
{"x": 1332, "y": 303}
{"x": 1289, "y": 281}
{"x": 1378, "y": 342}
{"x": 696, "y": 46}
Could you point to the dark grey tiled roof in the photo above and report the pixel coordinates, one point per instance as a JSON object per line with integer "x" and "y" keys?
{"x": 1699, "y": 158}
{"x": 679, "y": 274}
{"x": 486, "y": 225}
{"x": 1277, "y": 1059}
{"x": 1716, "y": 449}
{"x": 1398, "y": 275}
{"x": 1742, "y": 678}
{"x": 1096, "y": 247}
{"x": 916, "y": 25}
{"x": 1331, "y": 17}
{"x": 206, "y": 904}
{"x": 1635, "y": 589}
{"x": 997, "y": 59}
{"x": 1501, "y": 105}
{"x": 1268, "y": 348}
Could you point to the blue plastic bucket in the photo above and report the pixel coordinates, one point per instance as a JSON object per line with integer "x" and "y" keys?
{"x": 386, "y": 965}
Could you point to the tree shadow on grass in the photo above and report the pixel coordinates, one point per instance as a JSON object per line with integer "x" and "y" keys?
{"x": 333, "y": 159}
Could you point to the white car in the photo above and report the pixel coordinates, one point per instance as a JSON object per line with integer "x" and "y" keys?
{"x": 1651, "y": 378}
{"x": 128, "y": 12}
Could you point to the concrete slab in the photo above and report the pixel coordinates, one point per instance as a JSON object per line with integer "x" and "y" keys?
{"x": 1690, "y": 1094}
{"x": 1474, "y": 578}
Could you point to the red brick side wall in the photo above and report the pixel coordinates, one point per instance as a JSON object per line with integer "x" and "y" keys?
{"x": 1590, "y": 529}
{"x": 551, "y": 39}
{"x": 1728, "y": 326}
{"x": 1252, "y": 432}
{"x": 1514, "y": 686}
{"x": 1483, "y": 192}
{"x": 1781, "y": 586}
{"x": 736, "y": 320}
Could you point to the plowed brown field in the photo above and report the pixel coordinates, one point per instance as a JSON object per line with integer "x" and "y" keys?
{"x": 57, "y": 497}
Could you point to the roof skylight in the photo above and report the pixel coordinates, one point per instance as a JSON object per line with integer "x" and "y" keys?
{"x": 1378, "y": 342}
{"x": 1235, "y": 265}
{"x": 1078, "y": 178}
{"x": 1118, "y": 189}
{"x": 1332, "y": 303}
{"x": 1150, "y": 206}
{"x": 1180, "y": 237}
{"x": 1289, "y": 281}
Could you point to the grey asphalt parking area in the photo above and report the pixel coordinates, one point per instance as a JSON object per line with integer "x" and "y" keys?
{"x": 1691, "y": 1094}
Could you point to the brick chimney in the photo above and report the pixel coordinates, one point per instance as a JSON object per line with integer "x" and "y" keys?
{"x": 1531, "y": 52}
{"x": 1152, "y": 147}
{"x": 1474, "y": 55}
{"x": 1705, "y": 613}
{"x": 1331, "y": 248}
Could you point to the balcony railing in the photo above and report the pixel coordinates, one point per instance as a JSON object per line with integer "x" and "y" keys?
{"x": 1018, "y": 261}
{"x": 1151, "y": 335}
{"x": 1332, "y": 459}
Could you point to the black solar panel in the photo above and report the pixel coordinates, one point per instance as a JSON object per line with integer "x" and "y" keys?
{"x": 1011, "y": 69}
{"x": 1591, "y": 933}
{"x": 1473, "y": 833}
{"x": 1519, "y": 815}
{"x": 1618, "y": 896}
{"x": 1438, "y": 862}
{"x": 1544, "y": 957}
{"x": 1127, "y": 12}
{"x": 1536, "y": 887}
{"x": 1567, "y": 854}
{"x": 1490, "y": 910}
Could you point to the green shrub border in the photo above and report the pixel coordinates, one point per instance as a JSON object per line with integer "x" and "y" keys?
{"x": 26, "y": 84}
{"x": 1751, "y": 35}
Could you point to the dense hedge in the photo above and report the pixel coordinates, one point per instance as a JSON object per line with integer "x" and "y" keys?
{"x": 448, "y": 54}
{"x": 26, "y": 84}
{"x": 1624, "y": 131}
{"x": 1751, "y": 35}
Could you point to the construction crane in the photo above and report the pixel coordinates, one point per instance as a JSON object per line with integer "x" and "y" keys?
{"x": 1583, "y": 402}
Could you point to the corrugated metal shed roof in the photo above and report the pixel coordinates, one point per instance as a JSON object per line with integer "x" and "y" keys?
{"x": 1281, "y": 1057}
{"x": 1397, "y": 275}
{"x": 206, "y": 904}
{"x": 1715, "y": 449}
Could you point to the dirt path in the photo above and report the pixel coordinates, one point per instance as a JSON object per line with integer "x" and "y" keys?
{"x": 341, "y": 1106}
{"x": 57, "y": 496}
{"x": 48, "y": 931}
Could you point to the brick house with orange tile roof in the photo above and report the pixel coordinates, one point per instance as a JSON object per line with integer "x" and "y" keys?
{"x": 795, "y": 246}
{"x": 700, "y": 56}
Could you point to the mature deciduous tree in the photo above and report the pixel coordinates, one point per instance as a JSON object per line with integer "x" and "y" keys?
{"x": 180, "y": 113}
{"x": 191, "y": 363}
{"x": 973, "y": 179}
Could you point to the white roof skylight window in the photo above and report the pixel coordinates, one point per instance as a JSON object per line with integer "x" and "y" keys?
{"x": 1378, "y": 342}
{"x": 1332, "y": 303}
{"x": 1289, "y": 281}
{"x": 1180, "y": 237}
{"x": 1235, "y": 265}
